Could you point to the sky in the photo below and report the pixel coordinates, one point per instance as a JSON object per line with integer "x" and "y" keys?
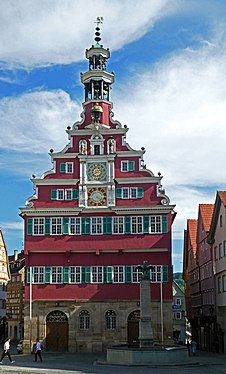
{"x": 169, "y": 60}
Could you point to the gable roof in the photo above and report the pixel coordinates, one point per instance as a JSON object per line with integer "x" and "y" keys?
{"x": 220, "y": 199}
{"x": 192, "y": 231}
{"x": 206, "y": 211}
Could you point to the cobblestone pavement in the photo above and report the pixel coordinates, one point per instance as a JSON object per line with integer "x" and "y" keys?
{"x": 89, "y": 363}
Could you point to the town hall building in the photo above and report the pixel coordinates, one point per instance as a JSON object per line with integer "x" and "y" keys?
{"x": 96, "y": 215}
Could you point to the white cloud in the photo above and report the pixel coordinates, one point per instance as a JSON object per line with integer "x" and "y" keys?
{"x": 12, "y": 225}
{"x": 177, "y": 111}
{"x": 36, "y": 121}
{"x": 41, "y": 32}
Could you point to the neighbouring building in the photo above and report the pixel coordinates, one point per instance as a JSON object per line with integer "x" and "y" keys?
{"x": 93, "y": 218}
{"x": 4, "y": 278}
{"x": 179, "y": 315}
{"x": 204, "y": 271}
{"x": 15, "y": 296}
{"x": 217, "y": 239}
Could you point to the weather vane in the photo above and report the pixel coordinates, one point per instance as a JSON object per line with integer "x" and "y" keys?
{"x": 99, "y": 20}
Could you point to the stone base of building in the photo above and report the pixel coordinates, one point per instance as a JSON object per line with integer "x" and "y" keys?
{"x": 57, "y": 324}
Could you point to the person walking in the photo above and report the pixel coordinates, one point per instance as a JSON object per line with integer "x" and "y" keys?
{"x": 193, "y": 347}
{"x": 6, "y": 351}
{"x": 38, "y": 349}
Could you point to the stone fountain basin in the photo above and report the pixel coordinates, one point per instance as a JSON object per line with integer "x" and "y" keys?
{"x": 156, "y": 355}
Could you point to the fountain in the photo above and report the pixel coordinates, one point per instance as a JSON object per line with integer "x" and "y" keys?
{"x": 149, "y": 352}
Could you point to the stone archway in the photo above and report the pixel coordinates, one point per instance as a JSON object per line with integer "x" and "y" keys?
{"x": 57, "y": 332}
{"x": 133, "y": 328}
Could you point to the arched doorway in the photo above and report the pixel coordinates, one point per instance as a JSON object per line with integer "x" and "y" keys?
{"x": 133, "y": 328}
{"x": 56, "y": 331}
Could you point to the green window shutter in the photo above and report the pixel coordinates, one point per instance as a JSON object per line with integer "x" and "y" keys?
{"x": 118, "y": 193}
{"x": 127, "y": 225}
{"x": 47, "y": 226}
{"x": 107, "y": 225}
{"x": 164, "y": 224}
{"x": 53, "y": 194}
{"x": 131, "y": 166}
{"x": 85, "y": 274}
{"x": 65, "y": 225}
{"x": 29, "y": 226}
{"x": 62, "y": 167}
{"x": 165, "y": 273}
{"x": 107, "y": 274}
{"x": 28, "y": 275}
{"x": 85, "y": 225}
{"x": 128, "y": 274}
{"x": 146, "y": 224}
{"x": 140, "y": 192}
{"x": 66, "y": 274}
{"x": 47, "y": 274}
{"x": 74, "y": 194}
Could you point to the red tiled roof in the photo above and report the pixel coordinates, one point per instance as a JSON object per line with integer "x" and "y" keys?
{"x": 192, "y": 231}
{"x": 207, "y": 213}
{"x": 222, "y": 195}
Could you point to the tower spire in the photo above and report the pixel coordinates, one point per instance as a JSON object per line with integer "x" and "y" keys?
{"x": 97, "y": 80}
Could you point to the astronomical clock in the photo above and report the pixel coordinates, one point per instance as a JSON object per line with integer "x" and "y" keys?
{"x": 97, "y": 196}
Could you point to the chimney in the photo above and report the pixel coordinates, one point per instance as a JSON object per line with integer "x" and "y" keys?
{"x": 15, "y": 255}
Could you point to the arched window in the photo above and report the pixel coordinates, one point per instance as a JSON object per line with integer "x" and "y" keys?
{"x": 110, "y": 318}
{"x": 84, "y": 320}
{"x": 97, "y": 145}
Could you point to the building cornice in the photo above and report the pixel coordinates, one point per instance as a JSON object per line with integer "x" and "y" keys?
{"x": 53, "y": 182}
{"x": 155, "y": 209}
{"x": 121, "y": 251}
{"x": 137, "y": 180}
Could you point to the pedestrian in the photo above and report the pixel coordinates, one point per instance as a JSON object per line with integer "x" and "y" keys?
{"x": 189, "y": 347}
{"x": 6, "y": 351}
{"x": 193, "y": 347}
{"x": 38, "y": 349}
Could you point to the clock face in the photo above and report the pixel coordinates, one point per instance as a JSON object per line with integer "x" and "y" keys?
{"x": 96, "y": 171}
{"x": 96, "y": 196}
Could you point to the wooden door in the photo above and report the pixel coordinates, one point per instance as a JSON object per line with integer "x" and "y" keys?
{"x": 133, "y": 329}
{"x": 57, "y": 332}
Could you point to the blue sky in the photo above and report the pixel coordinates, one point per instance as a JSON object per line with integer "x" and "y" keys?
{"x": 169, "y": 60}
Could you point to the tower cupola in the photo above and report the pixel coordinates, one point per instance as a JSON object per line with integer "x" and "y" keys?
{"x": 97, "y": 80}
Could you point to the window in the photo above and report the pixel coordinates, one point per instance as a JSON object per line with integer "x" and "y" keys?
{"x": 127, "y": 166}
{"x": 155, "y": 224}
{"x": 221, "y": 220}
{"x": 125, "y": 193}
{"x": 177, "y": 301}
{"x": 57, "y": 274}
{"x": 38, "y": 226}
{"x": 56, "y": 226}
{"x": 68, "y": 194}
{"x": 60, "y": 194}
{"x": 84, "y": 320}
{"x": 96, "y": 149}
{"x": 118, "y": 274}
{"x": 118, "y": 225}
{"x": 219, "y": 284}
{"x": 225, "y": 248}
{"x": 38, "y": 275}
{"x": 110, "y": 318}
{"x": 66, "y": 167}
{"x": 97, "y": 274}
{"x": 75, "y": 226}
{"x": 75, "y": 274}
{"x": 136, "y": 225}
{"x": 156, "y": 273}
{"x": 136, "y": 275}
{"x": 133, "y": 192}
{"x": 215, "y": 253}
{"x": 223, "y": 284}
{"x": 177, "y": 315}
{"x": 220, "y": 250}
{"x": 96, "y": 225}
